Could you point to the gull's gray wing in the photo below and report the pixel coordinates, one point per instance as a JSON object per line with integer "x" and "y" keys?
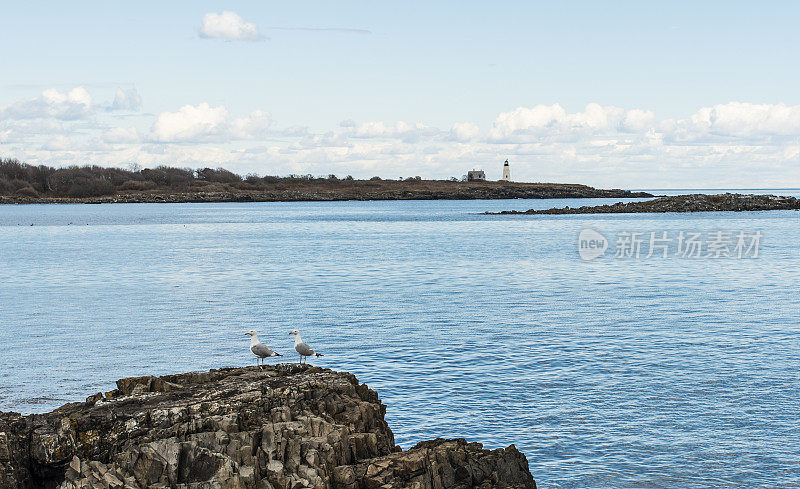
{"x": 304, "y": 349}
{"x": 262, "y": 351}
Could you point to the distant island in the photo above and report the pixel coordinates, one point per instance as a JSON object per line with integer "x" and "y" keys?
{"x": 21, "y": 183}
{"x": 680, "y": 203}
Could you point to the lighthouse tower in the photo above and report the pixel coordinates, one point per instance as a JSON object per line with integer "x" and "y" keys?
{"x": 506, "y": 173}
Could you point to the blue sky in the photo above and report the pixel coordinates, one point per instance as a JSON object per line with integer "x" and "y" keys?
{"x": 633, "y": 94}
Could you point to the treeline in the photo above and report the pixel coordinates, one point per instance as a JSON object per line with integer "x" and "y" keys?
{"x": 24, "y": 180}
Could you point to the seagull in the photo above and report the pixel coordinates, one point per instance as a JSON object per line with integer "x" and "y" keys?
{"x": 260, "y": 350}
{"x": 302, "y": 348}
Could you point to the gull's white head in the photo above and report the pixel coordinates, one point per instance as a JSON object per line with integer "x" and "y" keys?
{"x": 294, "y": 331}
{"x": 252, "y": 332}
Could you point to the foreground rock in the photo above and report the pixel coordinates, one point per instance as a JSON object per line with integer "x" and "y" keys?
{"x": 681, "y": 203}
{"x": 285, "y": 427}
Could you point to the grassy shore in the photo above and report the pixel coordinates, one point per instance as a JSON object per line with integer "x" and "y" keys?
{"x": 21, "y": 183}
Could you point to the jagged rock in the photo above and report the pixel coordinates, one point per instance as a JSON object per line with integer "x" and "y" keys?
{"x": 440, "y": 464}
{"x": 283, "y": 427}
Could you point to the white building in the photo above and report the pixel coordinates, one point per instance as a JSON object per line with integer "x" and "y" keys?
{"x": 506, "y": 173}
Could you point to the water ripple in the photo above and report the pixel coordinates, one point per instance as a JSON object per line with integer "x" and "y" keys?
{"x": 669, "y": 373}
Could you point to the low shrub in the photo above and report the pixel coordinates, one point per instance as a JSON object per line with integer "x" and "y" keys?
{"x": 219, "y": 175}
{"x": 138, "y": 185}
{"x": 167, "y": 176}
{"x": 26, "y": 192}
{"x": 90, "y": 187}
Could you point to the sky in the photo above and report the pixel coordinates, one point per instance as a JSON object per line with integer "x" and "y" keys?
{"x": 676, "y": 94}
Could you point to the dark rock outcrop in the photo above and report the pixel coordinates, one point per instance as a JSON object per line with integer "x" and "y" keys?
{"x": 681, "y": 203}
{"x": 286, "y": 427}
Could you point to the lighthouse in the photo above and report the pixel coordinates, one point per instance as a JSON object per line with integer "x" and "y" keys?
{"x": 506, "y": 173}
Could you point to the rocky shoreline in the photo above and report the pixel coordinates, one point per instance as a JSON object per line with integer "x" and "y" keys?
{"x": 286, "y": 426}
{"x": 680, "y": 203}
{"x": 358, "y": 190}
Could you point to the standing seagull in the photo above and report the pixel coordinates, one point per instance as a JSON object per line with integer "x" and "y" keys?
{"x": 260, "y": 350}
{"x": 303, "y": 349}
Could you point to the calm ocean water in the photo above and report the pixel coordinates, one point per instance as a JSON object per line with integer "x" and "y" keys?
{"x": 609, "y": 373}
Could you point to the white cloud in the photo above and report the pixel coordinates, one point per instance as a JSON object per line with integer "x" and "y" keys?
{"x": 189, "y": 124}
{"x": 374, "y": 130}
{"x": 118, "y": 135}
{"x": 22, "y": 130}
{"x": 731, "y": 120}
{"x": 526, "y": 120}
{"x": 297, "y": 131}
{"x": 75, "y": 104}
{"x": 253, "y": 126}
{"x": 553, "y": 120}
{"x": 464, "y": 131}
{"x": 205, "y": 123}
{"x": 126, "y": 100}
{"x": 638, "y": 120}
{"x": 229, "y": 26}
{"x": 409, "y": 132}
{"x": 747, "y": 120}
{"x": 58, "y": 143}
